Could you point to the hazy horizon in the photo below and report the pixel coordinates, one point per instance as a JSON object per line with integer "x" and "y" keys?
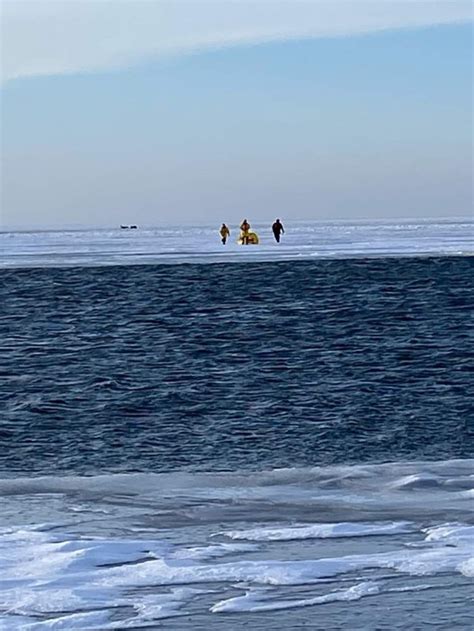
{"x": 234, "y": 223}
{"x": 171, "y": 113}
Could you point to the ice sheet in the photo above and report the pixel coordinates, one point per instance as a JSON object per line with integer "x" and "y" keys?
{"x": 59, "y": 579}
{"x": 319, "y": 531}
{"x": 118, "y": 560}
{"x": 177, "y": 244}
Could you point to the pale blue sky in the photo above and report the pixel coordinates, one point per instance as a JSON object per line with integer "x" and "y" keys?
{"x": 361, "y": 125}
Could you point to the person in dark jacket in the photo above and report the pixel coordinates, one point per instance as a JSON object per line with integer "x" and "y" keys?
{"x": 278, "y": 230}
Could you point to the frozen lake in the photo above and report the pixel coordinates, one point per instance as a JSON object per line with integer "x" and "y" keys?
{"x": 202, "y": 244}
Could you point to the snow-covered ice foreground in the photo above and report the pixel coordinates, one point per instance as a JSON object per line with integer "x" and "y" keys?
{"x": 128, "y": 551}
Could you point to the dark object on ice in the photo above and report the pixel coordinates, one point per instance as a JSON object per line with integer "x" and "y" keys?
{"x": 133, "y": 227}
{"x": 124, "y": 227}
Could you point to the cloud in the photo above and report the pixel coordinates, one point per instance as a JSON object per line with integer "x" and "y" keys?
{"x": 44, "y": 37}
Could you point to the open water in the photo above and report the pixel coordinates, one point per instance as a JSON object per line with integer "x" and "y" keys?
{"x": 266, "y": 445}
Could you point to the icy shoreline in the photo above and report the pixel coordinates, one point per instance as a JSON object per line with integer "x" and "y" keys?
{"x": 125, "y": 551}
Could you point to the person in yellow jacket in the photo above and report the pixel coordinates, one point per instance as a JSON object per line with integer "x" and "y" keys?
{"x": 224, "y": 232}
{"x": 245, "y": 228}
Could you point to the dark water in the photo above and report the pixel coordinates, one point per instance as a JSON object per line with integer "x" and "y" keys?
{"x": 218, "y": 367}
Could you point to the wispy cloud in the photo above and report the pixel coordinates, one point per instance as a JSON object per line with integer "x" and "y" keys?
{"x": 44, "y": 37}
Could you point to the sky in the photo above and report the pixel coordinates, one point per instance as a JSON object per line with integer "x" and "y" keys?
{"x": 153, "y": 112}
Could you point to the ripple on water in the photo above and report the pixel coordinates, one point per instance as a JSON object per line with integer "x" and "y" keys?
{"x": 235, "y": 366}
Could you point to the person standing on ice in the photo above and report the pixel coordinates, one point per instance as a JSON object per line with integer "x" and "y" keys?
{"x": 224, "y": 232}
{"x": 278, "y": 230}
{"x": 245, "y": 227}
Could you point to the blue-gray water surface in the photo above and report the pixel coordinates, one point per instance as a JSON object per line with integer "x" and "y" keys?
{"x": 238, "y": 366}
